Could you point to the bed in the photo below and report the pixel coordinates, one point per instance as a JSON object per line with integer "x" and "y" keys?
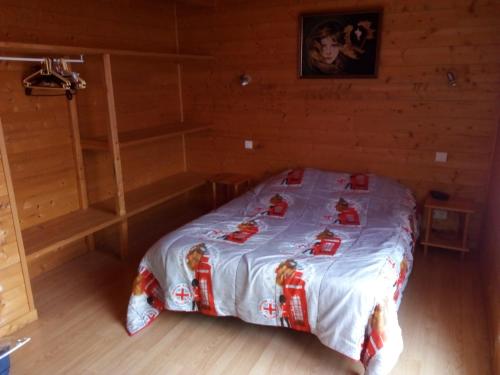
{"x": 322, "y": 252}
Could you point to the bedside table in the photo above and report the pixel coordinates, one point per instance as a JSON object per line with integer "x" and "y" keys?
{"x": 458, "y": 242}
{"x": 233, "y": 182}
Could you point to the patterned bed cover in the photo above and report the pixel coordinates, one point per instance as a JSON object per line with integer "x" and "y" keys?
{"x": 322, "y": 252}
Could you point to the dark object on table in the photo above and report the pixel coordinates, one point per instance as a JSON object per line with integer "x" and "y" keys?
{"x": 439, "y": 195}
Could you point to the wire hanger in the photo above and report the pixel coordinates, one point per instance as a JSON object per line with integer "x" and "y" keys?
{"x": 54, "y": 78}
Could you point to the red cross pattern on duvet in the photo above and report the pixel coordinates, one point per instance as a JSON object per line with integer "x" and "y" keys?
{"x": 268, "y": 308}
{"x": 182, "y": 294}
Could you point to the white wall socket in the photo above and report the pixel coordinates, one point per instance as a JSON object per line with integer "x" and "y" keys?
{"x": 248, "y": 145}
{"x": 441, "y": 157}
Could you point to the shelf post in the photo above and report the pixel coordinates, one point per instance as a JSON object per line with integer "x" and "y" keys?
{"x": 80, "y": 168}
{"x": 114, "y": 146}
{"x": 15, "y": 220}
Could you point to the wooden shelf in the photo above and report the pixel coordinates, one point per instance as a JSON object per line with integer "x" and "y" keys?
{"x": 141, "y": 136}
{"x": 77, "y": 50}
{"x": 149, "y": 196}
{"x": 46, "y": 237}
{"x": 454, "y": 205}
{"x": 445, "y": 243}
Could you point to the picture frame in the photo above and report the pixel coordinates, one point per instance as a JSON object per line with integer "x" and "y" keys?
{"x": 340, "y": 44}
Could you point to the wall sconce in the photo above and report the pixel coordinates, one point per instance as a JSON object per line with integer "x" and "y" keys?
{"x": 245, "y": 80}
{"x": 452, "y": 81}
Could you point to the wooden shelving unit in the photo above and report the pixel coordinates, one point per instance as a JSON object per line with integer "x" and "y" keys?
{"x": 142, "y": 136}
{"x": 48, "y": 236}
{"x": 44, "y": 238}
{"x": 73, "y": 218}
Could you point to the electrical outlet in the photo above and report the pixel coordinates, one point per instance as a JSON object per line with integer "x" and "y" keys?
{"x": 441, "y": 157}
{"x": 248, "y": 145}
{"x": 439, "y": 214}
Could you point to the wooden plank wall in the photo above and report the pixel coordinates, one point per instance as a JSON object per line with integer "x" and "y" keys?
{"x": 120, "y": 24}
{"x": 146, "y": 90}
{"x": 392, "y": 125}
{"x": 38, "y": 138}
{"x": 491, "y": 259}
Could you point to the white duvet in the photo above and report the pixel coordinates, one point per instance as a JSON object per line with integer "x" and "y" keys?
{"x": 323, "y": 252}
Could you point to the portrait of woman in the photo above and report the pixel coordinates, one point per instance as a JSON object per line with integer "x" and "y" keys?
{"x": 339, "y": 45}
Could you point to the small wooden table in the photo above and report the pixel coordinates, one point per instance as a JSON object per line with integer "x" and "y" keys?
{"x": 464, "y": 208}
{"x": 233, "y": 181}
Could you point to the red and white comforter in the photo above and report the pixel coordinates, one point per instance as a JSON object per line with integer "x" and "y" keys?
{"x": 323, "y": 252}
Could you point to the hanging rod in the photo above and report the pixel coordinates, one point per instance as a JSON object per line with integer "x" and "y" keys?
{"x": 40, "y": 59}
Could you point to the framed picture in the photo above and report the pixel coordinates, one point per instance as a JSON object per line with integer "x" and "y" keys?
{"x": 339, "y": 45}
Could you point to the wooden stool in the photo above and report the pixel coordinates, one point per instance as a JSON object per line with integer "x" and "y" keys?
{"x": 234, "y": 181}
{"x": 458, "y": 243}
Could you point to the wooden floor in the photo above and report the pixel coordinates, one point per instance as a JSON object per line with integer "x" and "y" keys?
{"x": 82, "y": 308}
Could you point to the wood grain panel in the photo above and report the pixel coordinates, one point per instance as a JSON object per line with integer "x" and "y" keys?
{"x": 99, "y": 172}
{"x": 146, "y": 92}
{"x": 13, "y": 300}
{"x": 37, "y": 133}
{"x": 491, "y": 259}
{"x": 92, "y": 105}
{"x": 119, "y": 24}
{"x": 391, "y": 125}
{"x": 55, "y": 258}
{"x": 197, "y": 92}
{"x": 9, "y": 252}
{"x": 93, "y": 119}
{"x": 145, "y": 164}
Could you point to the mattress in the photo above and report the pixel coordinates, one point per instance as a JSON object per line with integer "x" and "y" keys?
{"x": 323, "y": 252}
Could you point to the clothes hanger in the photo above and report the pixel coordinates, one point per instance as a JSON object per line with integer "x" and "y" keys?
{"x": 53, "y": 78}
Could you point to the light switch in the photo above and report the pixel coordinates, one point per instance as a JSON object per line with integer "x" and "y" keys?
{"x": 441, "y": 157}
{"x": 248, "y": 145}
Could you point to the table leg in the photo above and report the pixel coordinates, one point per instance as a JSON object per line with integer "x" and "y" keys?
{"x": 214, "y": 195}
{"x": 465, "y": 232}
{"x": 427, "y": 229}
